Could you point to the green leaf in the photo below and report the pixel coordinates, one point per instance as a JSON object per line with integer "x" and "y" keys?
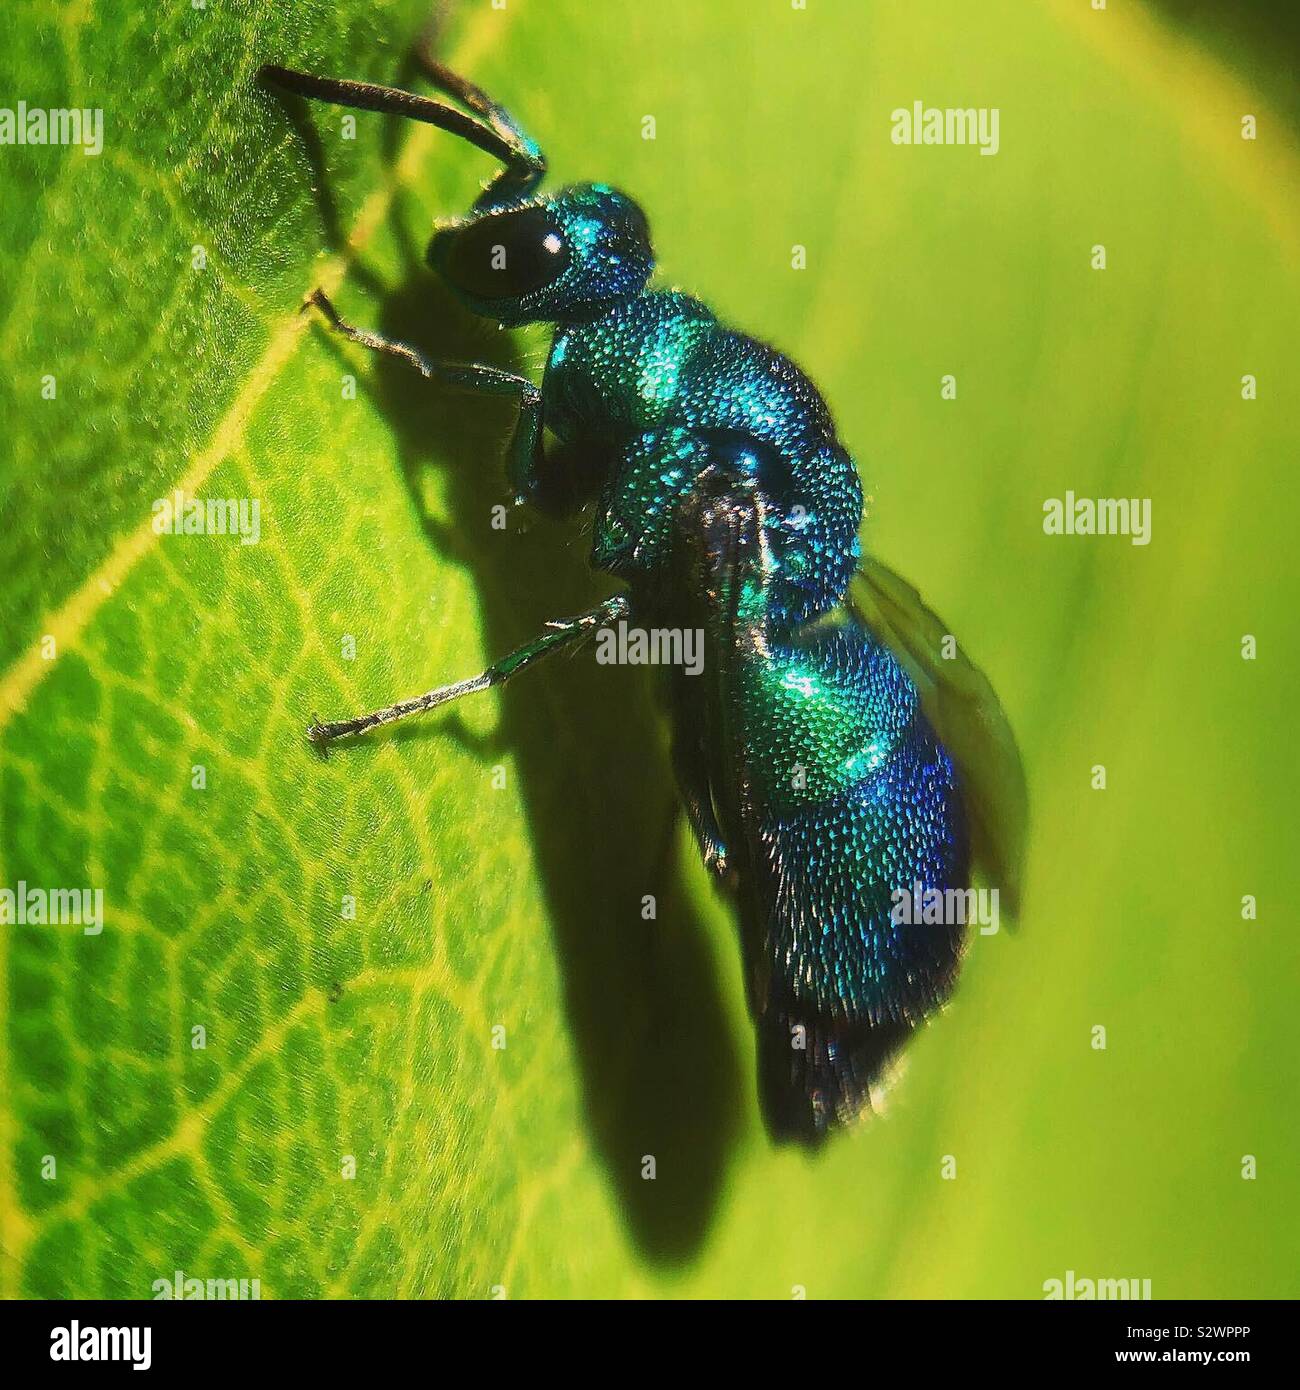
{"x": 499, "y": 854}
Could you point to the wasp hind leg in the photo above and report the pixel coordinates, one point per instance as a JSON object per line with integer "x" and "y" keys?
{"x": 561, "y": 632}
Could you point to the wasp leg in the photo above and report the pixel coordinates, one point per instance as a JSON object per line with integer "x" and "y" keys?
{"x": 525, "y": 443}
{"x": 524, "y": 165}
{"x": 689, "y": 769}
{"x": 699, "y": 813}
{"x": 473, "y": 375}
{"x": 562, "y": 632}
{"x": 511, "y": 182}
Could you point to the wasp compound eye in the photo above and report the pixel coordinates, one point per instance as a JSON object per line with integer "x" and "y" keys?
{"x": 503, "y": 256}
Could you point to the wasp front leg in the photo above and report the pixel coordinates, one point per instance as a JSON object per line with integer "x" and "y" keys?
{"x": 524, "y": 453}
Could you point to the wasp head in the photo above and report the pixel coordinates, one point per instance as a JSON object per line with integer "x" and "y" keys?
{"x": 563, "y": 259}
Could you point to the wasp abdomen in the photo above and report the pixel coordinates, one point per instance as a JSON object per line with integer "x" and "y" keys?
{"x": 853, "y": 802}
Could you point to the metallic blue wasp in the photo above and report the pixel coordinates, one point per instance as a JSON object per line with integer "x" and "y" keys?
{"x": 833, "y": 756}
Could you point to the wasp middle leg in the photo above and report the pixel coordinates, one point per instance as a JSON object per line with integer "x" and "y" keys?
{"x": 561, "y": 632}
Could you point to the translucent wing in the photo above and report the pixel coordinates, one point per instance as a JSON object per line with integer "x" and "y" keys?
{"x": 964, "y": 711}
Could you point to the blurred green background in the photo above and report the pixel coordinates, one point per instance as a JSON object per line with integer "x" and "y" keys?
{"x": 520, "y": 907}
